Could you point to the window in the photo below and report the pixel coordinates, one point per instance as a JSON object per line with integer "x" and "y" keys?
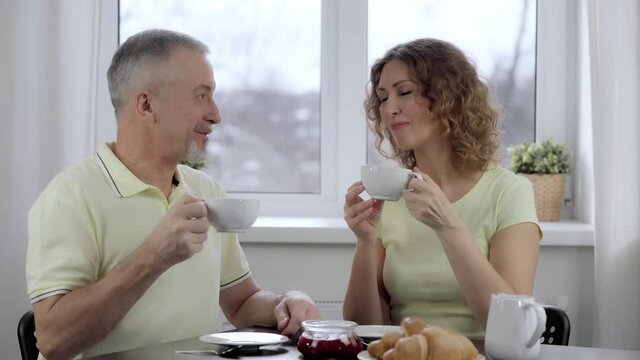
{"x": 331, "y": 46}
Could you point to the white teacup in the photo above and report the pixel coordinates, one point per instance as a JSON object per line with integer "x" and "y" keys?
{"x": 232, "y": 215}
{"x": 384, "y": 182}
{"x": 514, "y": 326}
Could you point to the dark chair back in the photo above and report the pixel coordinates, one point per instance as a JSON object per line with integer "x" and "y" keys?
{"x": 27, "y": 336}
{"x": 558, "y": 327}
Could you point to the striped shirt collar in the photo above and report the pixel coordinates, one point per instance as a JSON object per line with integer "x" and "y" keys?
{"x": 123, "y": 182}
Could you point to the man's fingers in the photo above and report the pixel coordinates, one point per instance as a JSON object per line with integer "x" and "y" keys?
{"x": 298, "y": 314}
{"x": 187, "y": 199}
{"x": 198, "y": 225}
{"x": 281, "y": 313}
{"x": 194, "y": 210}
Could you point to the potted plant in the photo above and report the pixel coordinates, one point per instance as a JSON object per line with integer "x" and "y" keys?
{"x": 545, "y": 165}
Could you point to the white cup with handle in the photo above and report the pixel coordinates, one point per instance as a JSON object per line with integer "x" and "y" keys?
{"x": 386, "y": 182}
{"x": 232, "y": 215}
{"x": 514, "y": 326}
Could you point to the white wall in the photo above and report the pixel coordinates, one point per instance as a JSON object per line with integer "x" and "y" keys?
{"x": 564, "y": 277}
{"x": 44, "y": 125}
{"x": 13, "y": 299}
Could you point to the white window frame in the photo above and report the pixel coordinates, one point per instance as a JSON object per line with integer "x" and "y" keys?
{"x": 343, "y": 129}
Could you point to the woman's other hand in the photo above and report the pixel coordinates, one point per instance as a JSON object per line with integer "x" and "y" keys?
{"x": 362, "y": 216}
{"x": 428, "y": 203}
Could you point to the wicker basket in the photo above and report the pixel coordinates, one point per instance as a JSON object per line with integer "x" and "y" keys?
{"x": 549, "y": 193}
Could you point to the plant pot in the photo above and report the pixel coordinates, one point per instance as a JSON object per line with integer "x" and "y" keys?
{"x": 549, "y": 194}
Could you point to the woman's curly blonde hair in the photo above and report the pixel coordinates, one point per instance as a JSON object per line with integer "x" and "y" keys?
{"x": 456, "y": 95}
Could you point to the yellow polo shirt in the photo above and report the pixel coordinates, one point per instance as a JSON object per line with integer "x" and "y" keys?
{"x": 91, "y": 216}
{"x": 417, "y": 274}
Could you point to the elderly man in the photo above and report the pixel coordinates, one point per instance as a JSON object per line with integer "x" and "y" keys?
{"x": 121, "y": 253}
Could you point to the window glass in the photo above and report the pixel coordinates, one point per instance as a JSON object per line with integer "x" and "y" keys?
{"x": 266, "y": 61}
{"x": 499, "y": 36}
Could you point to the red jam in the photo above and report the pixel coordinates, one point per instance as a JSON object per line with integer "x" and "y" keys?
{"x": 337, "y": 348}
{"x": 323, "y": 339}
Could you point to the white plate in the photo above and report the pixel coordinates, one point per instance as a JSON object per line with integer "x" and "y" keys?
{"x": 375, "y": 331}
{"x": 244, "y": 339}
{"x": 364, "y": 355}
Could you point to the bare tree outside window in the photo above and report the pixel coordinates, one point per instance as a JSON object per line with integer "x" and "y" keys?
{"x": 498, "y": 35}
{"x": 266, "y": 61}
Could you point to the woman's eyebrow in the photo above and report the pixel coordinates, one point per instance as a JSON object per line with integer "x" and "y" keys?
{"x": 394, "y": 84}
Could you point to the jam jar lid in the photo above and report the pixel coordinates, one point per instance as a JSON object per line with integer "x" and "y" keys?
{"x": 325, "y": 326}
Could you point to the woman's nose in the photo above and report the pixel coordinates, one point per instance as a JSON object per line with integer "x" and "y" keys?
{"x": 391, "y": 107}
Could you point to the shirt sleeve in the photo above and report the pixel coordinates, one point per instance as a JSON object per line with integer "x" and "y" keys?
{"x": 517, "y": 205}
{"x": 62, "y": 253}
{"x": 234, "y": 267}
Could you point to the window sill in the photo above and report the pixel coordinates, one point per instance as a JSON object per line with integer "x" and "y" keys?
{"x": 312, "y": 230}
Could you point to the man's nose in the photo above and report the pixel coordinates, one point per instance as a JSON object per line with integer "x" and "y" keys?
{"x": 214, "y": 113}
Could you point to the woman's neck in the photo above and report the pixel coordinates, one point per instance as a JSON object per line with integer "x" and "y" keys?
{"x": 438, "y": 165}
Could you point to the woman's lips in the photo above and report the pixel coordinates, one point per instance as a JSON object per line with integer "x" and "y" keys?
{"x": 399, "y": 125}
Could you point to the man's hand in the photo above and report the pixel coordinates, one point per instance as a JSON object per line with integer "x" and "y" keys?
{"x": 181, "y": 232}
{"x": 292, "y": 310}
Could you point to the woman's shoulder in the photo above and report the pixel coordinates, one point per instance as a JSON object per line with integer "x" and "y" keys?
{"x": 501, "y": 178}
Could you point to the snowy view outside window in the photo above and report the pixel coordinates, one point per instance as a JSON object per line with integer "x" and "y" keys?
{"x": 266, "y": 57}
{"x": 499, "y": 36}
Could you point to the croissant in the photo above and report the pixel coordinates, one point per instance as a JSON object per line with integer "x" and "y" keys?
{"x": 420, "y": 342}
{"x": 414, "y": 347}
{"x": 389, "y": 355}
{"x": 412, "y": 326}
{"x": 377, "y": 348}
{"x": 445, "y": 345}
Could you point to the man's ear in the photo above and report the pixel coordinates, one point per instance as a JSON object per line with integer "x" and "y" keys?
{"x": 145, "y": 105}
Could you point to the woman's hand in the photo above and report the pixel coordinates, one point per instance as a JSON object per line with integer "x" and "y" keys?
{"x": 361, "y": 216}
{"x": 428, "y": 204}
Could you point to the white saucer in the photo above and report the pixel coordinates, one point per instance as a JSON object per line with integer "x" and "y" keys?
{"x": 248, "y": 339}
{"x": 375, "y": 331}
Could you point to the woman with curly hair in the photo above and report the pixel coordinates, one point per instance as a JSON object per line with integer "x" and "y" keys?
{"x": 468, "y": 228}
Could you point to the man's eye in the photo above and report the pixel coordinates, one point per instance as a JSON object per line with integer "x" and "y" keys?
{"x": 202, "y": 96}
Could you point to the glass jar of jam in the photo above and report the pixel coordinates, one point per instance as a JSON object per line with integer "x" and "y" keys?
{"x": 323, "y": 339}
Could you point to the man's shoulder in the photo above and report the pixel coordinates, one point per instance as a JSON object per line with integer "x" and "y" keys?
{"x": 79, "y": 177}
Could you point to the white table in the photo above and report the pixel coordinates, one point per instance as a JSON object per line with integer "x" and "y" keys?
{"x": 556, "y": 352}
{"x": 289, "y": 352}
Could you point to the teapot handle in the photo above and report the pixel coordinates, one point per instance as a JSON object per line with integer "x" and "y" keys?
{"x": 541, "y": 322}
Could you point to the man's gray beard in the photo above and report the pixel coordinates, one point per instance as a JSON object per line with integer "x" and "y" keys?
{"x": 195, "y": 155}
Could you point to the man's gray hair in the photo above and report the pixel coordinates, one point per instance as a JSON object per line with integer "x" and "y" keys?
{"x": 136, "y": 53}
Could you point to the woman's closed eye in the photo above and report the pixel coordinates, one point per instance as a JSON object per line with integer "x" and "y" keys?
{"x": 404, "y": 93}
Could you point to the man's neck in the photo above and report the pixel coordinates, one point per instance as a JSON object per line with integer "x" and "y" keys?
{"x": 153, "y": 170}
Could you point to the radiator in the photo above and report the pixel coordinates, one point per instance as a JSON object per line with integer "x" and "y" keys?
{"x": 330, "y": 309}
